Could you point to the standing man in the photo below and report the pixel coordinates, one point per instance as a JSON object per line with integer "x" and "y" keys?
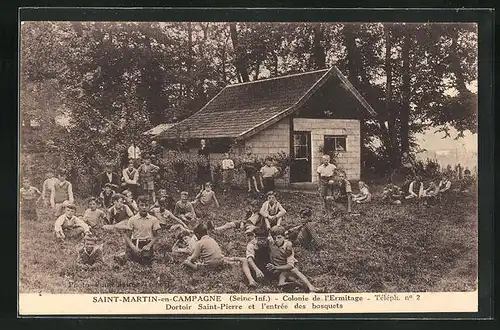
{"x": 204, "y": 173}
{"x": 108, "y": 176}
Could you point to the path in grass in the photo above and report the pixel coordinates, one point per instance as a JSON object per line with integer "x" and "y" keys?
{"x": 385, "y": 249}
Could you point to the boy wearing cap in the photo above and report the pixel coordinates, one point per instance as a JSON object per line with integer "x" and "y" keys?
{"x": 141, "y": 235}
{"x": 90, "y": 254}
{"x": 70, "y": 226}
{"x": 305, "y": 234}
{"x": 325, "y": 172}
{"x": 282, "y": 260}
{"x": 272, "y": 211}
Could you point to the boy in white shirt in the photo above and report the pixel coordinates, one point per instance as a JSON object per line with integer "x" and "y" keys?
{"x": 268, "y": 173}
{"x": 272, "y": 211}
{"x": 227, "y": 172}
{"x": 326, "y": 173}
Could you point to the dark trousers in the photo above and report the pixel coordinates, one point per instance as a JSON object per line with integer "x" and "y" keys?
{"x": 143, "y": 257}
{"x": 268, "y": 184}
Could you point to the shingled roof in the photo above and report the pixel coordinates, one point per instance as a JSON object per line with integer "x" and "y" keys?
{"x": 241, "y": 110}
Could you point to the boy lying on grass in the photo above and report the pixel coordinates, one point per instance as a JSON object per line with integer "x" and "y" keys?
{"x": 141, "y": 235}
{"x": 252, "y": 220}
{"x": 163, "y": 214}
{"x": 90, "y": 255}
{"x": 282, "y": 260}
{"x": 70, "y": 226}
{"x": 305, "y": 234}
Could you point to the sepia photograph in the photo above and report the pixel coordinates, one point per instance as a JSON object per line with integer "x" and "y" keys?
{"x": 248, "y": 157}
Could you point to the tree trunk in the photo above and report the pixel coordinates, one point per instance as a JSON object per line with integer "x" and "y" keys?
{"x": 390, "y": 113}
{"x": 455, "y": 65}
{"x": 406, "y": 88}
{"x": 189, "y": 61}
{"x": 240, "y": 61}
{"x": 318, "y": 51}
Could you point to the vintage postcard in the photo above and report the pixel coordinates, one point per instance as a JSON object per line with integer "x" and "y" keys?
{"x": 222, "y": 168}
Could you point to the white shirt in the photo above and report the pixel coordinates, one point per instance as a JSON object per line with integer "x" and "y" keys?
{"x": 227, "y": 164}
{"x": 326, "y": 171}
{"x": 134, "y": 153}
{"x": 110, "y": 176}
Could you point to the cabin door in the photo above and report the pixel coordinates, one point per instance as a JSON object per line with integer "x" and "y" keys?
{"x": 300, "y": 167}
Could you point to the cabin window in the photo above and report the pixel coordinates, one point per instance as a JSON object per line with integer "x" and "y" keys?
{"x": 335, "y": 143}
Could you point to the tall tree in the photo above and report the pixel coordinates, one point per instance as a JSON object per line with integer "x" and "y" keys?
{"x": 240, "y": 62}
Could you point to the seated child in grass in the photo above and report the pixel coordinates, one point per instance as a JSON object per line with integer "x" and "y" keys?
{"x": 119, "y": 213}
{"x": 90, "y": 253}
{"x": 141, "y": 235}
{"x": 204, "y": 201}
{"x": 28, "y": 201}
{"x": 305, "y": 234}
{"x": 61, "y": 193}
{"x": 431, "y": 191}
{"x": 268, "y": 173}
{"x": 185, "y": 243}
{"x": 413, "y": 189}
{"x": 70, "y": 226}
{"x": 207, "y": 252}
{"x": 272, "y": 211}
{"x": 251, "y": 220}
{"x": 444, "y": 185}
{"x": 467, "y": 183}
{"x": 129, "y": 201}
{"x": 282, "y": 260}
{"x": 184, "y": 209}
{"x": 257, "y": 256}
{"x": 341, "y": 192}
{"x": 168, "y": 200}
{"x": 392, "y": 194}
{"x": 364, "y": 195}
{"x": 107, "y": 195}
{"x": 93, "y": 216}
{"x": 163, "y": 214}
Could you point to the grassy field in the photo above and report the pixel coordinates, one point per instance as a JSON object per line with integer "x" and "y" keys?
{"x": 384, "y": 249}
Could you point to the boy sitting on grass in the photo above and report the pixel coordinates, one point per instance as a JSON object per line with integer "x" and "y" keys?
{"x": 106, "y": 195}
{"x": 141, "y": 235}
{"x": 93, "y": 216}
{"x": 392, "y": 194}
{"x": 90, "y": 254}
{"x": 282, "y": 260}
{"x": 364, "y": 195}
{"x": 305, "y": 234}
{"x": 163, "y": 214}
{"x": 413, "y": 189}
{"x": 257, "y": 255}
{"x": 47, "y": 187}
{"x": 204, "y": 201}
{"x": 118, "y": 214}
{"x": 272, "y": 211}
{"x": 252, "y": 219}
{"x": 207, "y": 252}
{"x": 341, "y": 192}
{"x": 185, "y": 243}
{"x": 184, "y": 209}
{"x": 168, "y": 200}
{"x": 70, "y": 226}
